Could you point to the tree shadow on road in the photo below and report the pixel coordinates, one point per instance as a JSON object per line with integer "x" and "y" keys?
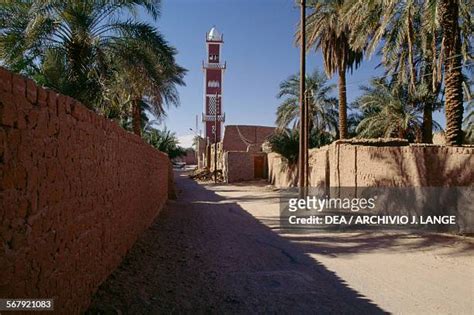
{"x": 351, "y": 243}
{"x": 202, "y": 255}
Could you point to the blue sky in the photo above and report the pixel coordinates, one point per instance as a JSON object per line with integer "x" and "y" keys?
{"x": 259, "y": 50}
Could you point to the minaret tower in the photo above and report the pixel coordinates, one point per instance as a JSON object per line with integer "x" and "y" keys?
{"x": 213, "y": 69}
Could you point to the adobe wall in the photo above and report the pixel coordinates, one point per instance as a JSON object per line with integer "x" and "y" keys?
{"x": 239, "y": 166}
{"x": 279, "y": 173}
{"x": 343, "y": 164}
{"x": 424, "y": 169}
{"x": 189, "y": 158}
{"x": 401, "y": 166}
{"x": 76, "y": 191}
{"x": 220, "y": 156}
{"x": 240, "y": 137}
{"x": 319, "y": 172}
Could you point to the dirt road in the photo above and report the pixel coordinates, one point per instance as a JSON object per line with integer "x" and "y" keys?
{"x": 218, "y": 249}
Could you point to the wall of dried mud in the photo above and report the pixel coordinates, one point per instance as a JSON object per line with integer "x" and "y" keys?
{"x": 76, "y": 191}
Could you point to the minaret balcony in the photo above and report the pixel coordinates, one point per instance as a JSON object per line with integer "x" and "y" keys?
{"x": 212, "y": 65}
{"x": 220, "y": 118}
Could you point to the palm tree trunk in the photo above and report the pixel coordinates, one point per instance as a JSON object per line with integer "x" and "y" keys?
{"x": 434, "y": 68}
{"x": 410, "y": 53}
{"x": 440, "y": 62}
{"x": 427, "y": 128}
{"x": 342, "y": 103}
{"x": 452, "y": 68}
{"x": 427, "y": 125}
{"x": 137, "y": 117}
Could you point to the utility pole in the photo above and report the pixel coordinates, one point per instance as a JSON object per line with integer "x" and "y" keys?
{"x": 215, "y": 139}
{"x": 306, "y": 139}
{"x": 197, "y": 126}
{"x": 303, "y": 142}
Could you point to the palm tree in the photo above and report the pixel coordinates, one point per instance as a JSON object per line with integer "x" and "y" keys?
{"x": 468, "y": 122}
{"x": 453, "y": 74}
{"x": 165, "y": 141}
{"x": 86, "y": 49}
{"x": 125, "y": 118}
{"x": 405, "y": 57}
{"x": 155, "y": 62}
{"x": 319, "y": 138}
{"x": 321, "y": 106}
{"x": 392, "y": 21}
{"x": 418, "y": 60}
{"x": 14, "y": 18}
{"x": 286, "y": 143}
{"x": 326, "y": 30}
{"x": 387, "y": 112}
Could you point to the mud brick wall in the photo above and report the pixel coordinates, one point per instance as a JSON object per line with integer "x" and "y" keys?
{"x": 400, "y": 166}
{"x": 343, "y": 164}
{"x": 423, "y": 179}
{"x": 239, "y": 166}
{"x": 220, "y": 155}
{"x": 279, "y": 173}
{"x": 76, "y": 191}
{"x": 241, "y": 137}
{"x": 282, "y": 176}
{"x": 319, "y": 171}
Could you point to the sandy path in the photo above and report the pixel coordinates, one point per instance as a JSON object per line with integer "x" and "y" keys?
{"x": 218, "y": 249}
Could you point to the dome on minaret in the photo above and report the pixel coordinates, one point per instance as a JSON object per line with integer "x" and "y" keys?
{"x": 214, "y": 34}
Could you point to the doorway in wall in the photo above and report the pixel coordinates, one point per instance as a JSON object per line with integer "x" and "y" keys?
{"x": 258, "y": 166}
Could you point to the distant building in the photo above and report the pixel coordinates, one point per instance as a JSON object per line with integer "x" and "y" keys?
{"x": 190, "y": 157}
{"x": 245, "y": 138}
{"x": 240, "y": 152}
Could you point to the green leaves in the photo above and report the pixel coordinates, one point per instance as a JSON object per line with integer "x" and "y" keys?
{"x": 96, "y": 51}
{"x": 322, "y": 106}
{"x": 328, "y": 31}
{"x": 389, "y": 111}
{"x": 286, "y": 143}
{"x": 165, "y": 141}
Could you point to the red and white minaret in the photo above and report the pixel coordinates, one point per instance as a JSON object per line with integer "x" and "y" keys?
{"x": 213, "y": 77}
